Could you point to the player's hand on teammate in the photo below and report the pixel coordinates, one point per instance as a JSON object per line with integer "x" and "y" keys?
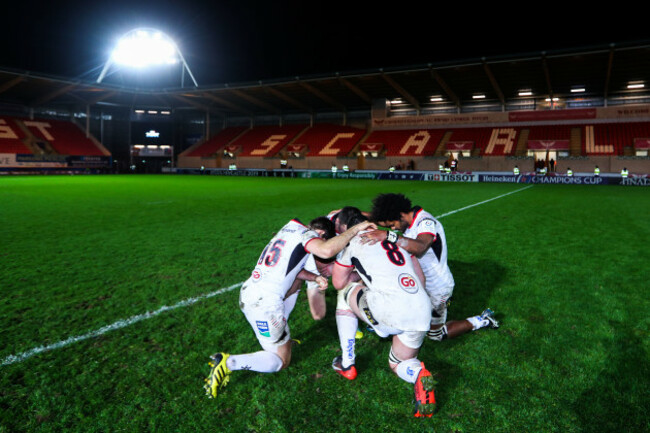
{"x": 373, "y": 236}
{"x": 322, "y": 282}
{"x": 365, "y": 225}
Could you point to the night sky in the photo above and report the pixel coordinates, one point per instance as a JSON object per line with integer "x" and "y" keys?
{"x": 246, "y": 40}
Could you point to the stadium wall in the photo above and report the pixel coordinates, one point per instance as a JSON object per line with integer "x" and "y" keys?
{"x": 607, "y": 164}
{"x": 630, "y": 113}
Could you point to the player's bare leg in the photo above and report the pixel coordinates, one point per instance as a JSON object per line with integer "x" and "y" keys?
{"x": 454, "y": 328}
{"x": 284, "y": 352}
{"x": 404, "y": 363}
{"x": 317, "y": 304}
{"x": 450, "y": 329}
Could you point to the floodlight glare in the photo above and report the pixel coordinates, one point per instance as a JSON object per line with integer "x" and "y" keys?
{"x": 141, "y": 48}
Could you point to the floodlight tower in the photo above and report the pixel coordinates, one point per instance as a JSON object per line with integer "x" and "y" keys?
{"x": 145, "y": 47}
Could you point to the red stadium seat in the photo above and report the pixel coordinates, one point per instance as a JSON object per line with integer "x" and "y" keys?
{"x": 612, "y": 138}
{"x": 11, "y": 137}
{"x": 266, "y": 141}
{"x": 491, "y": 141}
{"x": 408, "y": 142}
{"x": 330, "y": 140}
{"x": 218, "y": 142}
{"x": 64, "y": 137}
{"x": 550, "y": 132}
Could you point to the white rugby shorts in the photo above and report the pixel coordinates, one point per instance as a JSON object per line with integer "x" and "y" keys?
{"x": 269, "y": 324}
{"x": 439, "y": 302}
{"x": 412, "y": 339}
{"x": 266, "y": 317}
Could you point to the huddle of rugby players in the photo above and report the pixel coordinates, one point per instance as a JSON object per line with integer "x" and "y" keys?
{"x": 389, "y": 267}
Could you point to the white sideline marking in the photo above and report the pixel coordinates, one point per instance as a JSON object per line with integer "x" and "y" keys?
{"x": 12, "y": 359}
{"x": 482, "y": 202}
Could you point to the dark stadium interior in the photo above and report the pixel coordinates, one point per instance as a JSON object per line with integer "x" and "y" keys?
{"x": 444, "y": 85}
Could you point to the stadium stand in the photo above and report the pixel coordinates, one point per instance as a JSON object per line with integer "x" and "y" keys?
{"x": 329, "y": 140}
{"x": 216, "y": 143}
{"x": 69, "y": 139}
{"x": 613, "y": 138}
{"x": 266, "y": 141}
{"x": 56, "y": 137}
{"x": 307, "y": 145}
{"x": 408, "y": 142}
{"x": 549, "y": 132}
{"x": 12, "y": 137}
{"x": 489, "y": 141}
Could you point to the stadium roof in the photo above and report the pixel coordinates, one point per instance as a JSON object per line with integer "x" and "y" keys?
{"x": 604, "y": 72}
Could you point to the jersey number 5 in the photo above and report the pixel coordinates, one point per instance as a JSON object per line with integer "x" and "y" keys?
{"x": 271, "y": 253}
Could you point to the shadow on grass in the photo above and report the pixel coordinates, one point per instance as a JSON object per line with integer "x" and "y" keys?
{"x": 618, "y": 399}
{"x": 475, "y": 282}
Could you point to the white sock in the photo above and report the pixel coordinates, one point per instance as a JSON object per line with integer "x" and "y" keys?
{"x": 477, "y": 322}
{"x": 262, "y": 362}
{"x": 347, "y": 325}
{"x": 408, "y": 370}
{"x": 289, "y": 303}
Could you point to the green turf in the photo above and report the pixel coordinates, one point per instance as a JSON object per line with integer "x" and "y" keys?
{"x": 564, "y": 266}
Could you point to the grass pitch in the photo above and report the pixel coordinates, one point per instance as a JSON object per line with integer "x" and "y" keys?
{"x": 565, "y": 267}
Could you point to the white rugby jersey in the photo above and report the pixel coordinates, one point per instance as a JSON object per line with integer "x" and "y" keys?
{"x": 434, "y": 261}
{"x": 395, "y": 293}
{"x": 279, "y": 264}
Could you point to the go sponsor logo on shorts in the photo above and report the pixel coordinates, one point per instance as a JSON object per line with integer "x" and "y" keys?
{"x": 407, "y": 283}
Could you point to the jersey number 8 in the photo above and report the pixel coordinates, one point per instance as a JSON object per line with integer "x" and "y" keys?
{"x": 394, "y": 254}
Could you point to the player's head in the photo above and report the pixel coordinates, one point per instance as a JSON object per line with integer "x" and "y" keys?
{"x": 356, "y": 218}
{"x": 343, "y": 218}
{"x": 323, "y": 226}
{"x": 389, "y": 210}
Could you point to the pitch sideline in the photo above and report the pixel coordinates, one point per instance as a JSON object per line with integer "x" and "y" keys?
{"x": 20, "y": 357}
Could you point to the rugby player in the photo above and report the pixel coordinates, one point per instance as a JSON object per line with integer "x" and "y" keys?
{"x": 424, "y": 237}
{"x": 320, "y": 266}
{"x": 391, "y": 298}
{"x": 265, "y": 297}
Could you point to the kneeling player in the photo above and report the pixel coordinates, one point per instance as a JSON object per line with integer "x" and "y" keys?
{"x": 263, "y": 297}
{"x": 424, "y": 237}
{"x": 392, "y": 299}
